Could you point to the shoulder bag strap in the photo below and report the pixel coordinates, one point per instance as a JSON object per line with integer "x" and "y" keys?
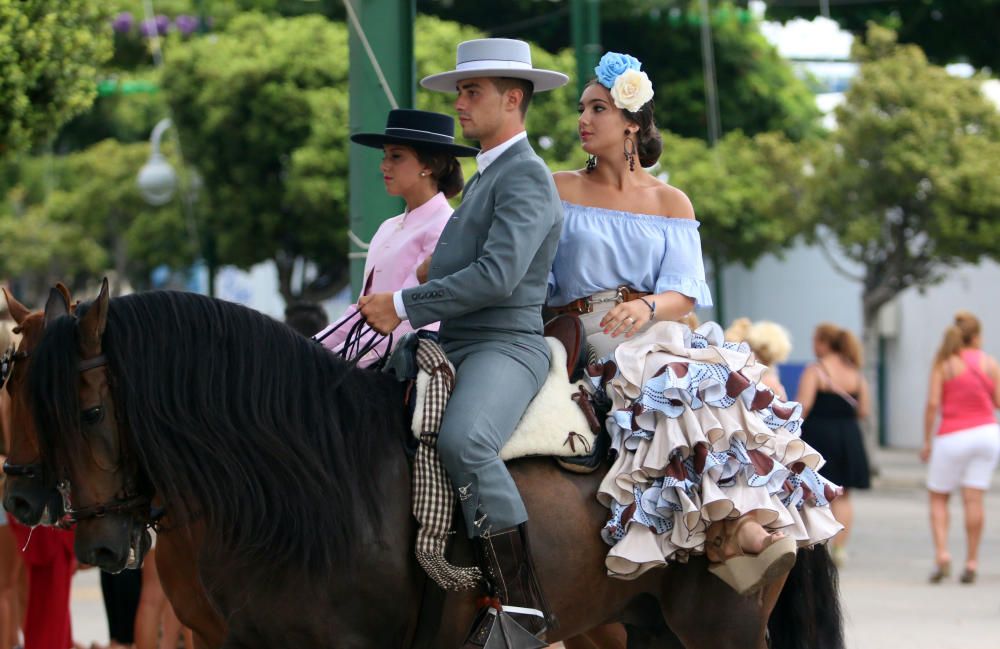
{"x": 834, "y": 387}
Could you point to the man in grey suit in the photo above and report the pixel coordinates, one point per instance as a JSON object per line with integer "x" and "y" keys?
{"x": 486, "y": 283}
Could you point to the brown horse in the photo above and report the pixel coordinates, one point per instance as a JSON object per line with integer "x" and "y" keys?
{"x": 293, "y": 465}
{"x": 32, "y": 498}
{"x": 31, "y": 494}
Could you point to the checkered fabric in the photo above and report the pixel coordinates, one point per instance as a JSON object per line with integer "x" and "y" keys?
{"x": 433, "y": 498}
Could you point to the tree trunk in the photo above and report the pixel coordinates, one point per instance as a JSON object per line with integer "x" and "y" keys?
{"x": 121, "y": 263}
{"x": 870, "y": 371}
{"x": 286, "y": 270}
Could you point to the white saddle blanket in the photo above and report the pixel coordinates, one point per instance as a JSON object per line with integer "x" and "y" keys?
{"x": 551, "y": 421}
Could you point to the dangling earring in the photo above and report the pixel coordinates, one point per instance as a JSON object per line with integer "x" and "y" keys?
{"x": 629, "y": 151}
{"x": 591, "y": 163}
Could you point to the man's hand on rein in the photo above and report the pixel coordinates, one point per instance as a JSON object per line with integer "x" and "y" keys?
{"x": 379, "y": 312}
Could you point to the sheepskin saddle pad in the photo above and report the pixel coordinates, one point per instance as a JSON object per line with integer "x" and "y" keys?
{"x": 554, "y": 423}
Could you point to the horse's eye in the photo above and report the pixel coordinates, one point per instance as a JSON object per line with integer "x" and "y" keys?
{"x": 93, "y": 416}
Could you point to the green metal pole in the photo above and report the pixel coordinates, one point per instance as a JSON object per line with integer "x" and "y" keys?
{"x": 585, "y": 24}
{"x": 388, "y": 26}
{"x": 883, "y": 393}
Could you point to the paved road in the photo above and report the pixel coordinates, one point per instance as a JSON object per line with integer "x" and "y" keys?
{"x": 887, "y": 601}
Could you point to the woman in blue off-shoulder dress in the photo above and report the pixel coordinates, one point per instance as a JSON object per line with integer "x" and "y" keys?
{"x": 707, "y": 459}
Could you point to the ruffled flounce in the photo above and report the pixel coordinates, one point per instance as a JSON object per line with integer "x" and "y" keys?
{"x": 699, "y": 440}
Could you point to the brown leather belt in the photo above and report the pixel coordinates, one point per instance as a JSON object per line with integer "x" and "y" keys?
{"x": 586, "y": 304}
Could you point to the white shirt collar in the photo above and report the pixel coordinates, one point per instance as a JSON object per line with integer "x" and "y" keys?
{"x": 485, "y": 158}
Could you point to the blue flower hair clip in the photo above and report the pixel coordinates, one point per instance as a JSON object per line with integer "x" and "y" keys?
{"x": 622, "y": 74}
{"x": 612, "y": 65}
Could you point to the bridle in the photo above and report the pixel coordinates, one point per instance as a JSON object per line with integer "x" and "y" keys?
{"x": 127, "y": 501}
{"x": 8, "y": 360}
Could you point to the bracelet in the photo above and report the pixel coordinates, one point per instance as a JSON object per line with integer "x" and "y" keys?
{"x": 652, "y": 308}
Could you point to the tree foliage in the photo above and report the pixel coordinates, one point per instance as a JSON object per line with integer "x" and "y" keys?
{"x": 82, "y": 214}
{"x": 947, "y": 30}
{"x": 262, "y": 109}
{"x": 748, "y": 192}
{"x": 909, "y": 187}
{"x": 263, "y": 115}
{"x": 50, "y": 51}
{"x": 757, "y": 89}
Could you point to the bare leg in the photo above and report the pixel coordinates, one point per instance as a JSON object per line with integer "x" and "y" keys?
{"x": 939, "y": 527}
{"x": 843, "y": 511}
{"x": 972, "y": 499}
{"x": 151, "y": 603}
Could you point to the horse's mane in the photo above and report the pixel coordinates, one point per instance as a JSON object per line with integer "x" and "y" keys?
{"x": 271, "y": 440}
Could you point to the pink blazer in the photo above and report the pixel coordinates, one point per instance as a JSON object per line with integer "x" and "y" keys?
{"x": 399, "y": 246}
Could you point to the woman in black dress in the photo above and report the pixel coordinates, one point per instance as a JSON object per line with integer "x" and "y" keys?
{"x": 834, "y": 397}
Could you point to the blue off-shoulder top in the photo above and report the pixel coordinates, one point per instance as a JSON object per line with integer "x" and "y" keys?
{"x": 602, "y": 249}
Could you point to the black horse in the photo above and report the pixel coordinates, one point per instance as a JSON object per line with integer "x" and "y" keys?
{"x": 293, "y": 465}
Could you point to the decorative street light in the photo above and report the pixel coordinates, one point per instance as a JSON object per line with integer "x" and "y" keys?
{"x": 157, "y": 179}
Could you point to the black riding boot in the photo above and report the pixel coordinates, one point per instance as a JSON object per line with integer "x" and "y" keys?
{"x": 505, "y": 560}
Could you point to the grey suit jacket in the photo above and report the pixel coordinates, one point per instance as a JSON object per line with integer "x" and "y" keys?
{"x": 489, "y": 273}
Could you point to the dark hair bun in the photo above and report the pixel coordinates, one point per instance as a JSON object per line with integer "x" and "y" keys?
{"x": 445, "y": 169}
{"x": 451, "y": 181}
{"x": 650, "y": 145}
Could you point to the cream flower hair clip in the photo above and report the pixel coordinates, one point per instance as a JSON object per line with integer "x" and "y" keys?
{"x": 630, "y": 87}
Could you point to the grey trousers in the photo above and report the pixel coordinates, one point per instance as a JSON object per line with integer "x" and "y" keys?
{"x": 494, "y": 383}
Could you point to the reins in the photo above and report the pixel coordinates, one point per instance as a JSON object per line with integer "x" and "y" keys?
{"x": 361, "y": 340}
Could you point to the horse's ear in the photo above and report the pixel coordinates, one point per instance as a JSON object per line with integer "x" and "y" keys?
{"x": 65, "y": 291}
{"x": 91, "y": 327}
{"x": 55, "y": 307}
{"x": 17, "y": 310}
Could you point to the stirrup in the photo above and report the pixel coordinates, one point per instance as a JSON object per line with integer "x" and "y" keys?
{"x": 514, "y": 614}
{"x": 494, "y": 629}
{"x": 747, "y": 573}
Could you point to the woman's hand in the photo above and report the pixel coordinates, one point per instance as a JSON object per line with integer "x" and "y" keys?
{"x": 925, "y": 453}
{"x": 423, "y": 269}
{"x": 626, "y": 318}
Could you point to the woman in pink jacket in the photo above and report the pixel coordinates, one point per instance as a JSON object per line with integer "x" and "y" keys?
{"x": 421, "y": 166}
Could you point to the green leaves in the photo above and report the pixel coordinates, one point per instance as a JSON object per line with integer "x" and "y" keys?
{"x": 907, "y": 184}
{"x": 82, "y": 214}
{"x": 948, "y": 30}
{"x": 50, "y": 51}
{"x": 758, "y": 90}
{"x": 262, "y": 110}
{"x": 747, "y": 192}
{"x": 262, "y": 113}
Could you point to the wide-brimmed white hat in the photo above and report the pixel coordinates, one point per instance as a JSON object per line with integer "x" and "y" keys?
{"x": 494, "y": 57}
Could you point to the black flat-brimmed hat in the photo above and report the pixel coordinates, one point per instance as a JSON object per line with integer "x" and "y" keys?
{"x": 420, "y": 129}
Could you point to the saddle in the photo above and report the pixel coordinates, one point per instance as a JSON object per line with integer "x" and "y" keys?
{"x": 561, "y": 421}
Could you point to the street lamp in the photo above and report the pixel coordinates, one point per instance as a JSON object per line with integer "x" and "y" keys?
{"x": 157, "y": 179}
{"x": 158, "y": 182}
